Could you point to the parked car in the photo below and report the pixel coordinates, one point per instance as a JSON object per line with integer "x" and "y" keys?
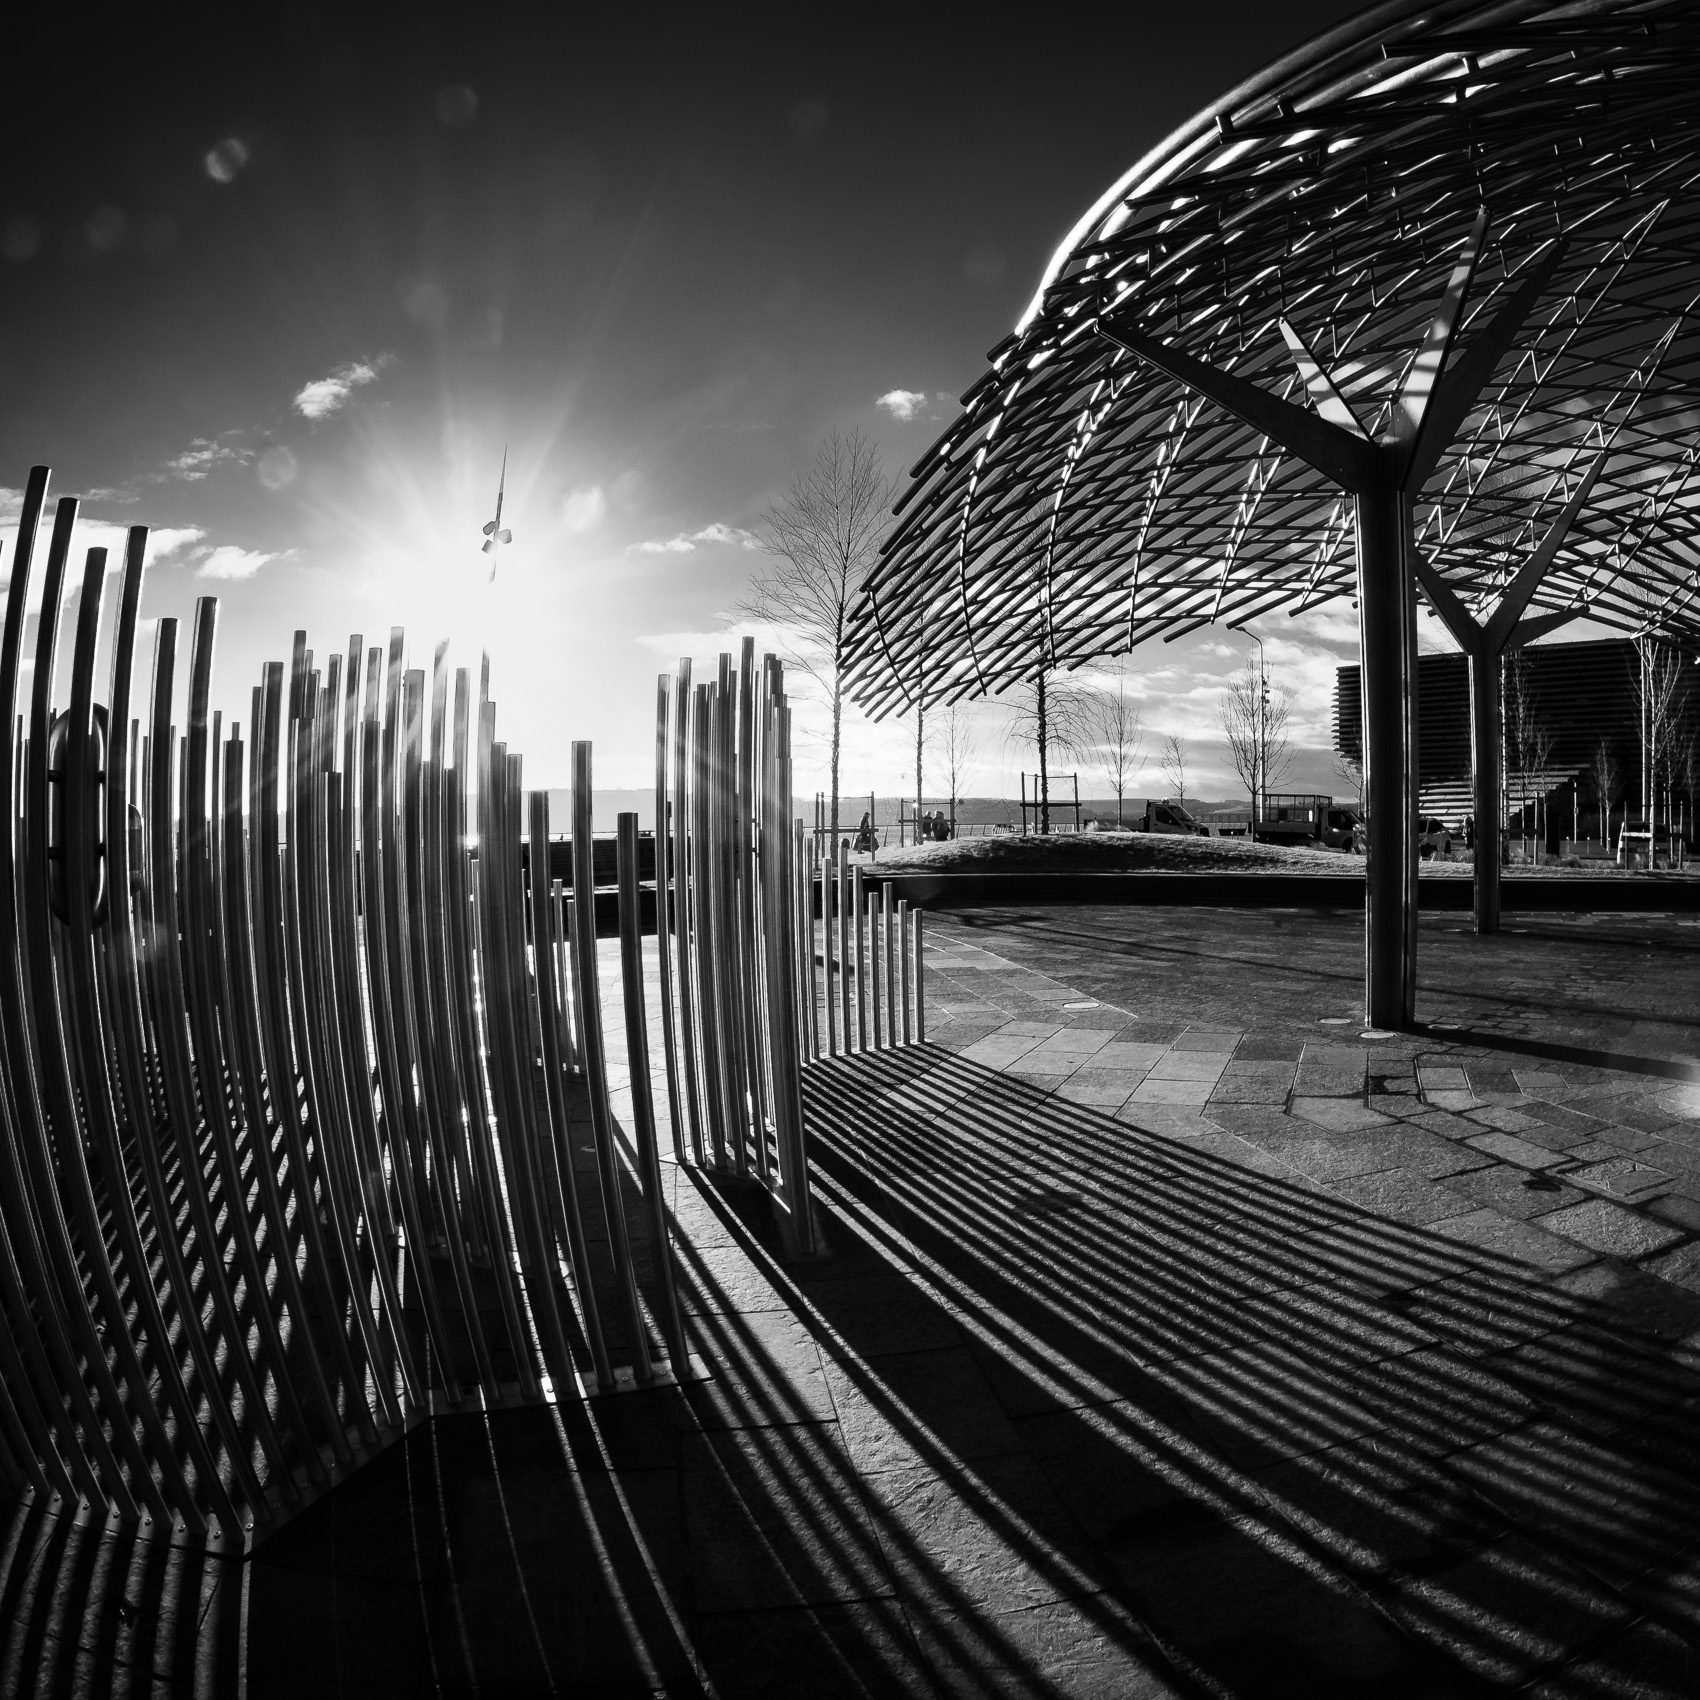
{"x": 1434, "y": 836}
{"x": 1339, "y": 829}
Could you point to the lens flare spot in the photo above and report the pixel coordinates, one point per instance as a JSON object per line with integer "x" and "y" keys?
{"x": 457, "y": 106}
{"x": 425, "y": 302}
{"x": 807, "y": 118}
{"x": 225, "y": 160}
{"x": 277, "y": 468}
{"x": 106, "y": 227}
{"x": 20, "y": 240}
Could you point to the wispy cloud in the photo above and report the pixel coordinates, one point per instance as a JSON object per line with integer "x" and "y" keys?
{"x": 584, "y": 510}
{"x": 325, "y": 395}
{"x": 228, "y": 561}
{"x": 903, "y": 404}
{"x": 704, "y": 642}
{"x": 202, "y": 455}
{"x": 688, "y": 542}
{"x": 166, "y": 544}
{"x": 167, "y": 540}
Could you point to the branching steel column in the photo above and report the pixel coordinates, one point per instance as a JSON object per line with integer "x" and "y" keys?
{"x": 1484, "y": 643}
{"x": 1384, "y": 474}
{"x": 1487, "y": 733}
{"x": 1387, "y": 635}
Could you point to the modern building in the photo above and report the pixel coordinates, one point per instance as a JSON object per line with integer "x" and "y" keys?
{"x": 1581, "y": 707}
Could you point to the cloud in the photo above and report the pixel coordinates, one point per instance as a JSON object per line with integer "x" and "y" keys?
{"x": 164, "y": 542}
{"x": 167, "y": 540}
{"x": 686, "y": 543}
{"x": 903, "y": 404}
{"x": 325, "y": 395}
{"x": 202, "y": 455}
{"x": 584, "y": 510}
{"x": 229, "y": 562}
{"x": 694, "y": 643}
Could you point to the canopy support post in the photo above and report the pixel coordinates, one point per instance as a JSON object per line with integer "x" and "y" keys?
{"x": 1385, "y": 474}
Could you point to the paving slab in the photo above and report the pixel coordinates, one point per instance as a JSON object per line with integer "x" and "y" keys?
{"x": 1608, "y": 1227}
{"x": 1510, "y": 1149}
{"x": 1180, "y": 1342}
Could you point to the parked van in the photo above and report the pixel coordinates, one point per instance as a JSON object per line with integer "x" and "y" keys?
{"x": 1342, "y": 825}
{"x": 1170, "y": 816}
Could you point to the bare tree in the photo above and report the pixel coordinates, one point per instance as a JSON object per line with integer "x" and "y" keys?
{"x": 1660, "y": 701}
{"x": 1685, "y": 765}
{"x": 1255, "y": 720}
{"x": 1605, "y": 777}
{"x": 1050, "y": 714}
{"x": 957, "y": 743}
{"x": 1173, "y": 762}
{"x": 1527, "y": 740}
{"x": 1118, "y": 734}
{"x": 1350, "y": 769}
{"x": 821, "y": 539}
{"x": 1540, "y": 760}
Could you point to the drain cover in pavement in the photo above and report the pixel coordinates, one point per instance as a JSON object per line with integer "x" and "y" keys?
{"x": 1046, "y": 1202}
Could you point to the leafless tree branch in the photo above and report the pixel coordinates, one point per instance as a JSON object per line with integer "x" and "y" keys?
{"x": 821, "y": 539}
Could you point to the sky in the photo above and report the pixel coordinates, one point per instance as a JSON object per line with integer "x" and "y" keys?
{"x": 287, "y": 289}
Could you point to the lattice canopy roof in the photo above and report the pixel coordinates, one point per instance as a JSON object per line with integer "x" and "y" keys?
{"x": 1084, "y": 501}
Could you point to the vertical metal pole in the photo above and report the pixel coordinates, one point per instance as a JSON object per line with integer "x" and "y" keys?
{"x": 920, "y": 983}
{"x": 595, "y": 1065}
{"x": 743, "y": 783}
{"x": 806, "y": 858}
{"x": 727, "y": 980}
{"x": 903, "y": 931}
{"x": 1486, "y": 742}
{"x": 643, "y": 1109}
{"x": 860, "y": 908}
{"x": 827, "y": 953}
{"x": 664, "y": 864}
{"x": 704, "y": 940}
{"x": 844, "y": 911}
{"x": 875, "y": 894}
{"x": 1387, "y": 628}
{"x": 684, "y": 899}
{"x": 887, "y": 916}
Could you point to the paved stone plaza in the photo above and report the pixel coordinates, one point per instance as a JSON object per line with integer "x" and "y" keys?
{"x": 1175, "y": 1339}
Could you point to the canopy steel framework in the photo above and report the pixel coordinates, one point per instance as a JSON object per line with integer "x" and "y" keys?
{"x": 1415, "y": 303}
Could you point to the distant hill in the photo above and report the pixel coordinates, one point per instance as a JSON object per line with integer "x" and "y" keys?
{"x": 606, "y": 808}
{"x": 970, "y": 811}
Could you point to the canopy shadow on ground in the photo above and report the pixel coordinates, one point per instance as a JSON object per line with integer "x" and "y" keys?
{"x": 1310, "y": 1450}
{"x": 1586, "y": 984}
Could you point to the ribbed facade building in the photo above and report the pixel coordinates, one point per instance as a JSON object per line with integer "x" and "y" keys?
{"x": 1580, "y": 695}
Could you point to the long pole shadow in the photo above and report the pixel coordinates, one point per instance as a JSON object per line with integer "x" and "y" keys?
{"x": 1314, "y": 1451}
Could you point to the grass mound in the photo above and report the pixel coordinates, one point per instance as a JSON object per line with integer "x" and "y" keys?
{"x": 1112, "y": 853}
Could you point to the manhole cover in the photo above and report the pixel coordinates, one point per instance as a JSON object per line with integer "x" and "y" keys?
{"x": 1049, "y": 1201}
